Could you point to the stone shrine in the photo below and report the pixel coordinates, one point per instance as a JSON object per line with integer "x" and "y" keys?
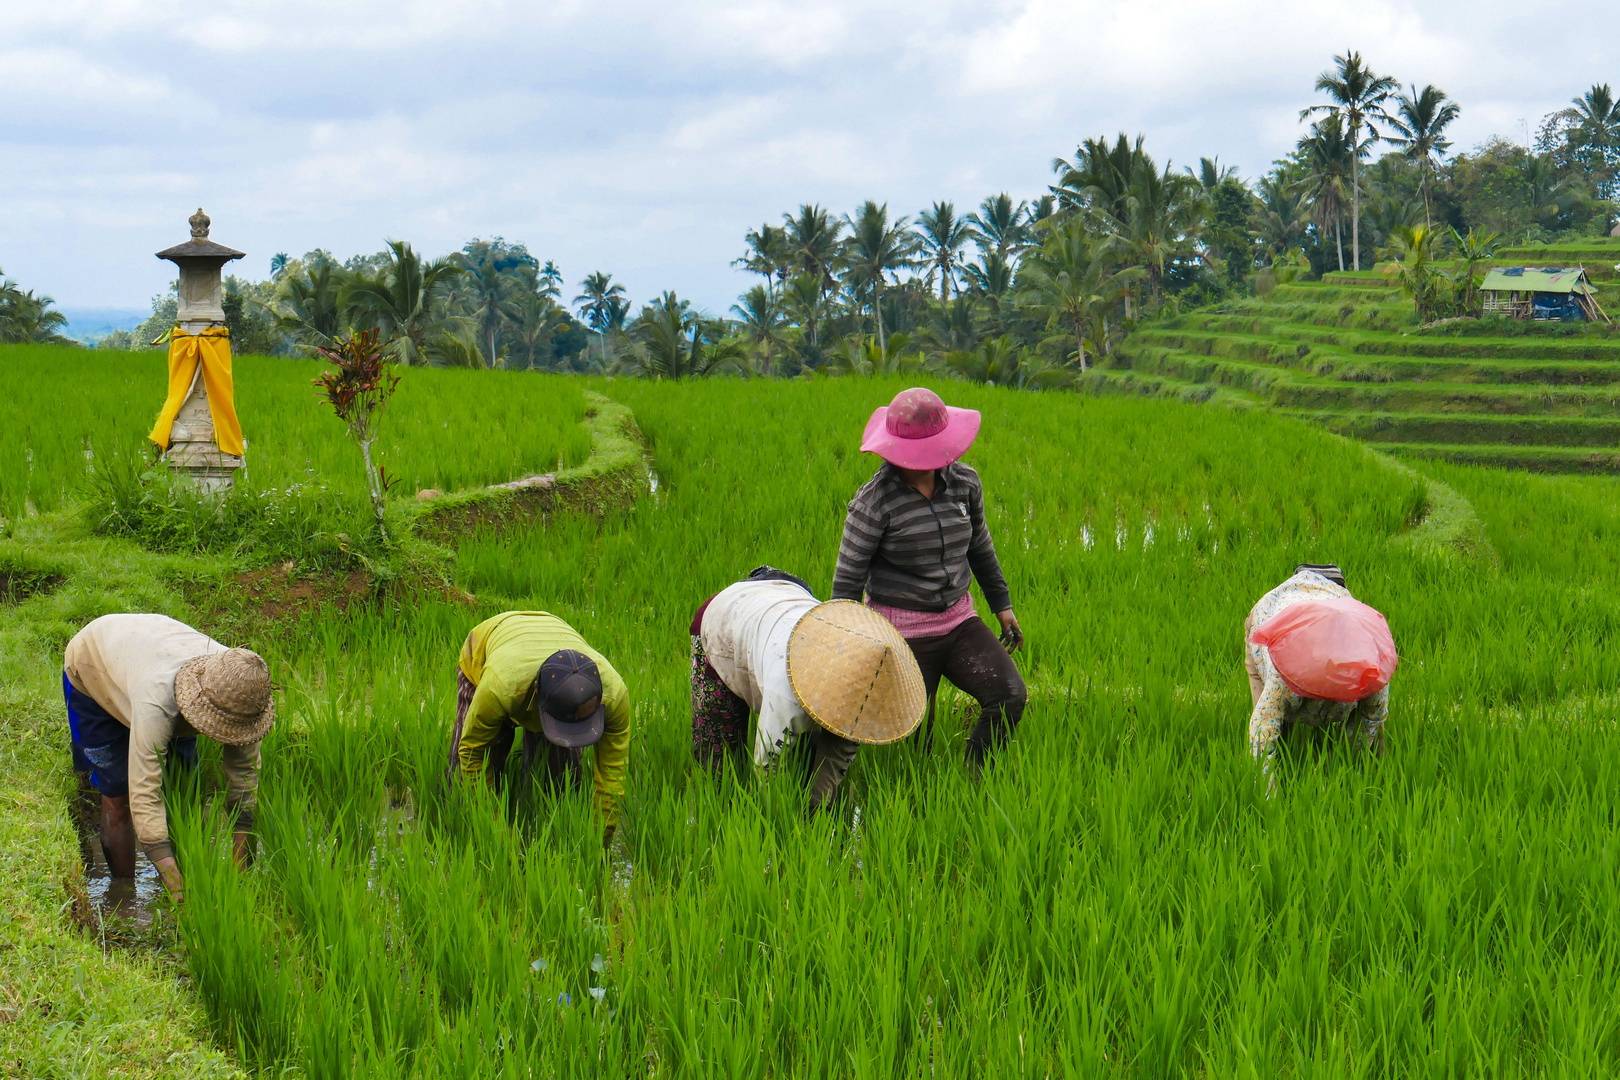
{"x": 192, "y": 449}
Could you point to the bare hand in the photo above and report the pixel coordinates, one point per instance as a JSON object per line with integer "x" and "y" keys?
{"x": 169, "y": 870}
{"x": 1011, "y": 636}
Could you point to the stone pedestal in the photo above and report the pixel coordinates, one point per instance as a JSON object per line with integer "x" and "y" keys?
{"x": 192, "y": 451}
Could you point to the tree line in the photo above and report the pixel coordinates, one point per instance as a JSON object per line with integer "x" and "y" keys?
{"x": 1017, "y": 291}
{"x": 26, "y": 318}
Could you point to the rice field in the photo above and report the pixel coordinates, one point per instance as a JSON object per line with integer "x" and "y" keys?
{"x": 1116, "y": 896}
{"x": 1346, "y": 353}
{"x": 67, "y": 407}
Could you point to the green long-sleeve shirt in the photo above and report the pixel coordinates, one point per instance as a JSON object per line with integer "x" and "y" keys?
{"x": 501, "y": 658}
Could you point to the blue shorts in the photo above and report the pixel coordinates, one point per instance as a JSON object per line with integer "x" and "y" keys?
{"x": 101, "y": 743}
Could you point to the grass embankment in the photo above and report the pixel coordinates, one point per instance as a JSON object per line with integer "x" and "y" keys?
{"x": 72, "y": 1002}
{"x": 1346, "y": 353}
{"x": 68, "y": 1006}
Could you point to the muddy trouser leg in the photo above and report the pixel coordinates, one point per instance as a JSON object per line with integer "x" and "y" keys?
{"x": 719, "y": 717}
{"x": 830, "y": 762}
{"x": 930, "y": 653}
{"x": 980, "y": 665}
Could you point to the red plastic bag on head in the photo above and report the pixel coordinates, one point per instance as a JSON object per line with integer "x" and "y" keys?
{"x": 1332, "y": 650}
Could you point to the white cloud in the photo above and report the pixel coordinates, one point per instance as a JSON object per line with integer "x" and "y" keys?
{"x": 644, "y": 138}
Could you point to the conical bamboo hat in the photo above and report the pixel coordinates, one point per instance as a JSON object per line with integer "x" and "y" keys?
{"x": 854, "y": 674}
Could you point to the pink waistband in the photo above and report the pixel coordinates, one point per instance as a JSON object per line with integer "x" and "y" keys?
{"x": 920, "y": 624}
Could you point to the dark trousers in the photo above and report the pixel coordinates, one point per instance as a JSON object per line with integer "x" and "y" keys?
{"x": 978, "y": 664}
{"x": 564, "y": 767}
{"x": 100, "y": 743}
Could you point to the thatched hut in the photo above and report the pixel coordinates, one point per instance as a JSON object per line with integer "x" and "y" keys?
{"x": 1528, "y": 292}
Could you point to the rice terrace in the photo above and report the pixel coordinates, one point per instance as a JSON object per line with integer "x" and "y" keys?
{"x": 1162, "y": 624}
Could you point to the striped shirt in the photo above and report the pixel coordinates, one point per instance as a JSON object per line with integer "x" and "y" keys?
{"x": 906, "y": 551}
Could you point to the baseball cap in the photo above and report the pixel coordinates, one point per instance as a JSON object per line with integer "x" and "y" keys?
{"x": 567, "y": 680}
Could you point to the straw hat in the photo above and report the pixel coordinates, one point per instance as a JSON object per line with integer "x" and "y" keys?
{"x": 226, "y": 695}
{"x": 854, "y": 674}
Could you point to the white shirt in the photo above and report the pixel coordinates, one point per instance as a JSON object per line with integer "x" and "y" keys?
{"x": 745, "y": 636}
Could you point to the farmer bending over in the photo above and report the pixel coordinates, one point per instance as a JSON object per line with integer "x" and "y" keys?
{"x": 1315, "y": 657}
{"x": 530, "y": 669}
{"x": 142, "y": 687}
{"x": 837, "y": 673}
{"x": 914, "y": 540}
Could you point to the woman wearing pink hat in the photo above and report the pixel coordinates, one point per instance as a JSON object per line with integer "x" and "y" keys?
{"x": 914, "y": 539}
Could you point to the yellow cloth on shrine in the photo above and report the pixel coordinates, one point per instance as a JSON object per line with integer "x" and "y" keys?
{"x": 213, "y": 348}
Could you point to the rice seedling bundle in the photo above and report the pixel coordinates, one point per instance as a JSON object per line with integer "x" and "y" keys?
{"x": 1116, "y": 897}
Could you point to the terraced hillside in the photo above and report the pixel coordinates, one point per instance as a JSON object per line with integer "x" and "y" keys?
{"x": 1346, "y": 353}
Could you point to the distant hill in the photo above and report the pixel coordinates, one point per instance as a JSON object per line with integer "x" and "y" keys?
{"x": 90, "y": 325}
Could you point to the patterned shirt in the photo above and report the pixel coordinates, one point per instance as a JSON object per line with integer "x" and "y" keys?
{"x": 921, "y": 554}
{"x": 1278, "y": 705}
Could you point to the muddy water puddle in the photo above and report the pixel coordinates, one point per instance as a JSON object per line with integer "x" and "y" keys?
{"x": 132, "y": 900}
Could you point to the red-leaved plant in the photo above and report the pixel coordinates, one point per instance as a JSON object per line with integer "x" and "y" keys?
{"x": 358, "y": 391}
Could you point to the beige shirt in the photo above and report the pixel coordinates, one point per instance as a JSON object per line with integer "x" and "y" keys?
{"x": 127, "y": 664}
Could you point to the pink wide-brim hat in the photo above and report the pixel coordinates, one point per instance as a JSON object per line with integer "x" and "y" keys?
{"x": 919, "y": 431}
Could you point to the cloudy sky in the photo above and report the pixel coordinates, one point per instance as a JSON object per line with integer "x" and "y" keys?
{"x": 642, "y": 137}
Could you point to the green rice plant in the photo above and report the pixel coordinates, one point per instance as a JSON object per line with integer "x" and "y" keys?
{"x": 447, "y": 429}
{"x": 1115, "y": 897}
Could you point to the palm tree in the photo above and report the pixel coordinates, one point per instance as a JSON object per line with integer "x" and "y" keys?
{"x": 1000, "y": 361}
{"x": 870, "y": 357}
{"x": 806, "y": 305}
{"x": 1326, "y": 155}
{"x": 1210, "y": 172}
{"x": 401, "y": 300}
{"x": 1420, "y": 122}
{"x": 993, "y": 278}
{"x": 278, "y": 265}
{"x": 550, "y": 281}
{"x": 1473, "y": 249}
{"x": 953, "y": 325}
{"x": 1164, "y": 213}
{"x": 1099, "y": 178}
{"x": 535, "y": 326}
{"x": 769, "y": 254}
{"x": 676, "y": 342}
{"x": 492, "y": 300}
{"x": 1595, "y": 133}
{"x": 309, "y": 305}
{"x": 29, "y": 319}
{"x": 942, "y": 236}
{"x": 876, "y": 248}
{"x": 1073, "y": 279}
{"x": 1356, "y": 96}
{"x": 1278, "y": 219}
{"x": 1001, "y": 226}
{"x": 1411, "y": 249}
{"x": 598, "y": 300}
{"x": 813, "y": 237}
{"x": 760, "y": 314}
